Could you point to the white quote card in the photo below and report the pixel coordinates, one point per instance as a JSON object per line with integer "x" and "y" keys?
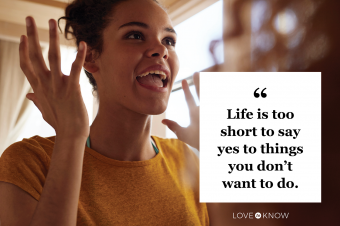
{"x": 260, "y": 137}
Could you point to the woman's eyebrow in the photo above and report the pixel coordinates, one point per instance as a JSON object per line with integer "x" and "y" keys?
{"x": 144, "y": 25}
{"x": 139, "y": 24}
{"x": 169, "y": 29}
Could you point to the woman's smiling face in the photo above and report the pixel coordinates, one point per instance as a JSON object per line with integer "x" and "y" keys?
{"x": 139, "y": 39}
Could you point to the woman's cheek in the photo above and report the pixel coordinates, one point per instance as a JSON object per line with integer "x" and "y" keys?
{"x": 175, "y": 67}
{"x": 174, "y": 64}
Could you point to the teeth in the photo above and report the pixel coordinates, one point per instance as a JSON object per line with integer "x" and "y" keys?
{"x": 161, "y": 74}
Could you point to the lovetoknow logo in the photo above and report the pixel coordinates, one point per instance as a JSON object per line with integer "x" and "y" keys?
{"x": 258, "y": 215}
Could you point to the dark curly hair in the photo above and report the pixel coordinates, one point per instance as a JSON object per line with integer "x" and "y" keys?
{"x": 86, "y": 21}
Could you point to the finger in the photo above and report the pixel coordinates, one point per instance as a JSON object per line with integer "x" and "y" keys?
{"x": 25, "y": 62}
{"x": 173, "y": 126}
{"x": 197, "y": 83}
{"x": 54, "y": 52}
{"x": 34, "y": 99}
{"x": 188, "y": 96}
{"x": 34, "y": 49}
{"x": 77, "y": 65}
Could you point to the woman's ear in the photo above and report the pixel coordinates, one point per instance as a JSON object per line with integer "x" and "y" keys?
{"x": 90, "y": 64}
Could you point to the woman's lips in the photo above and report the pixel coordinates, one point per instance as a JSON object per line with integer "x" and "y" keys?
{"x": 151, "y": 80}
{"x": 157, "y": 67}
{"x": 154, "y": 88}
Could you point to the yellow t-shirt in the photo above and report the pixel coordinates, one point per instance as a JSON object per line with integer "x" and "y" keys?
{"x": 161, "y": 191}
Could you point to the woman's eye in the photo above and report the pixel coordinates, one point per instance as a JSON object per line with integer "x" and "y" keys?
{"x": 135, "y": 36}
{"x": 170, "y": 42}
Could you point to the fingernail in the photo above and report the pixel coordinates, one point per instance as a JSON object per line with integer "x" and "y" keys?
{"x": 51, "y": 25}
{"x": 28, "y": 22}
{"x": 81, "y": 46}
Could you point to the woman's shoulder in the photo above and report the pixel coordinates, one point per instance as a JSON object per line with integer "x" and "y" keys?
{"x": 175, "y": 148}
{"x": 26, "y": 163}
{"x": 30, "y": 154}
{"x": 36, "y": 146}
{"x": 170, "y": 143}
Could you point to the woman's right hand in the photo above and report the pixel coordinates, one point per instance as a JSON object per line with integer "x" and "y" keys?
{"x": 57, "y": 96}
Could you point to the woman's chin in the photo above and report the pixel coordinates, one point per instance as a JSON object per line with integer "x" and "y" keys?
{"x": 155, "y": 109}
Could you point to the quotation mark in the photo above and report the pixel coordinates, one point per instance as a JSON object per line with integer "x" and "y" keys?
{"x": 256, "y": 95}
{"x": 258, "y": 215}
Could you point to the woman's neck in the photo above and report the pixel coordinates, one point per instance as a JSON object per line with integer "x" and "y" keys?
{"x": 122, "y": 135}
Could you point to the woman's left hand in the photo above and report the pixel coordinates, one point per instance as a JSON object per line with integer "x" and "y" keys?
{"x": 190, "y": 134}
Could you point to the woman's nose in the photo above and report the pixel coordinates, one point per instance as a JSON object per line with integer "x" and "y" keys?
{"x": 157, "y": 50}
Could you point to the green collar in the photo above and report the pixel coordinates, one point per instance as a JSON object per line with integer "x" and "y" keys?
{"x": 89, "y": 145}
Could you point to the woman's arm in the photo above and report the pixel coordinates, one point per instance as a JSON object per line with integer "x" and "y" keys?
{"x": 16, "y": 205}
{"x": 58, "y": 203}
{"x": 58, "y": 97}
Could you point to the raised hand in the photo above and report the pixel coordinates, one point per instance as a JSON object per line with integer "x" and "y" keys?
{"x": 190, "y": 134}
{"x": 57, "y": 96}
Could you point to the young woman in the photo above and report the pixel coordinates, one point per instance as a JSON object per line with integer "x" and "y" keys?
{"x": 114, "y": 172}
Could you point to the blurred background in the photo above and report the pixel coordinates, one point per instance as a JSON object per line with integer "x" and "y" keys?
{"x": 213, "y": 35}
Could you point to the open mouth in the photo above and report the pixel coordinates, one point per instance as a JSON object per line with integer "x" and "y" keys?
{"x": 155, "y": 79}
